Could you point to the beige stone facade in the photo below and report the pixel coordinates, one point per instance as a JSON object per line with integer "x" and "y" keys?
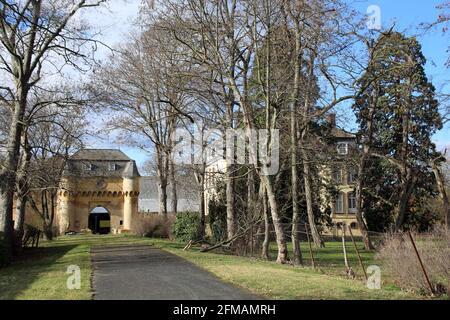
{"x": 93, "y": 179}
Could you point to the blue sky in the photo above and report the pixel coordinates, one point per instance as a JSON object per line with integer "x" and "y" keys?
{"x": 117, "y": 22}
{"x": 408, "y": 15}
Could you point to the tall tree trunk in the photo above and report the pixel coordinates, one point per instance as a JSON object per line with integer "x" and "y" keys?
{"x": 162, "y": 174}
{"x": 407, "y": 178}
{"x": 230, "y": 202}
{"x": 406, "y": 191}
{"x": 251, "y": 194}
{"x": 202, "y": 214}
{"x": 309, "y": 197}
{"x": 22, "y": 193}
{"x": 294, "y": 138}
{"x": 8, "y": 179}
{"x": 200, "y": 178}
{"x": 276, "y": 220}
{"x": 173, "y": 187}
{"x": 367, "y": 145}
{"x": 294, "y": 181}
{"x": 21, "y": 203}
{"x": 442, "y": 192}
{"x": 265, "y": 212}
{"x": 162, "y": 196}
{"x": 359, "y": 216}
{"x": 359, "y": 207}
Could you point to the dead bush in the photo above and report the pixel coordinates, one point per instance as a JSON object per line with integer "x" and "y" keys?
{"x": 400, "y": 262}
{"x": 153, "y": 225}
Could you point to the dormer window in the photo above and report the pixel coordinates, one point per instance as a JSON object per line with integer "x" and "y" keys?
{"x": 112, "y": 166}
{"x": 342, "y": 148}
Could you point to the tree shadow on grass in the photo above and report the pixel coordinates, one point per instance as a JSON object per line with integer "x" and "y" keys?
{"x": 29, "y": 266}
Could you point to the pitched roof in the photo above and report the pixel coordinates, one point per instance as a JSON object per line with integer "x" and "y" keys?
{"x": 100, "y": 155}
{"x": 131, "y": 170}
{"x": 342, "y": 134}
{"x": 97, "y": 163}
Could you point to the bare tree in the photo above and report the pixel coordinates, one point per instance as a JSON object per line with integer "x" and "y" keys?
{"x": 37, "y": 38}
{"x": 142, "y": 82}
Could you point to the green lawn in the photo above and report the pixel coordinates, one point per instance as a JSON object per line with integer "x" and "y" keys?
{"x": 331, "y": 258}
{"x": 41, "y": 273}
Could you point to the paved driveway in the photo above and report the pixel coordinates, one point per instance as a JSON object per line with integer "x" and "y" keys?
{"x": 146, "y": 273}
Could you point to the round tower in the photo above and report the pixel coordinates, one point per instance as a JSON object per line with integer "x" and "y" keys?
{"x": 131, "y": 189}
{"x": 66, "y": 205}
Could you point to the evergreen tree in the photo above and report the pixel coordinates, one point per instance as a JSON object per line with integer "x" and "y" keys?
{"x": 399, "y": 105}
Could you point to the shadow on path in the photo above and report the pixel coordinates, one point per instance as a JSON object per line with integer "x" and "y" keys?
{"x": 145, "y": 273}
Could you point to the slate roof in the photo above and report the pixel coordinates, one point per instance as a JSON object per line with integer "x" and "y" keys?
{"x": 187, "y": 193}
{"x": 99, "y": 162}
{"x": 186, "y": 188}
{"x": 100, "y": 155}
{"x": 342, "y": 134}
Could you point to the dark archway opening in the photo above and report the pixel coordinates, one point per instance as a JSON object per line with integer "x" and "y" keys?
{"x": 99, "y": 220}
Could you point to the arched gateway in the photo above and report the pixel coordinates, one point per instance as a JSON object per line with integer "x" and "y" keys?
{"x": 98, "y": 184}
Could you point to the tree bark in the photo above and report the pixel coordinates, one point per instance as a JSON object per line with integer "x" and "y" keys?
{"x": 442, "y": 192}
{"x": 22, "y": 193}
{"x": 200, "y": 178}
{"x": 294, "y": 181}
{"x": 266, "y": 242}
{"x": 276, "y": 220}
{"x": 230, "y": 201}
{"x": 309, "y": 199}
{"x": 294, "y": 138}
{"x": 8, "y": 179}
{"x": 359, "y": 207}
{"x": 173, "y": 188}
{"x": 406, "y": 191}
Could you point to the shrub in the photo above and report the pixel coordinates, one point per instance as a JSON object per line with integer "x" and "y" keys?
{"x": 400, "y": 261}
{"x": 217, "y": 220}
{"x": 153, "y": 225}
{"x": 186, "y": 226}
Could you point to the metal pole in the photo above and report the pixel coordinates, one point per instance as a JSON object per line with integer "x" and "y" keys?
{"x": 421, "y": 263}
{"x": 357, "y": 252}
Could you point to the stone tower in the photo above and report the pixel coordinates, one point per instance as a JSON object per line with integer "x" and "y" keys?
{"x": 98, "y": 180}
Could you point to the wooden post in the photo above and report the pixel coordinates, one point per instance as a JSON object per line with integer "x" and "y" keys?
{"x": 313, "y": 263}
{"x": 421, "y": 263}
{"x": 344, "y": 248}
{"x": 357, "y": 252}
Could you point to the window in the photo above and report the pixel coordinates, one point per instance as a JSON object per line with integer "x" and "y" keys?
{"x": 354, "y": 225}
{"x": 339, "y": 204}
{"x": 352, "y": 175}
{"x": 352, "y": 202}
{"x": 112, "y": 166}
{"x": 88, "y": 167}
{"x": 342, "y": 148}
{"x": 337, "y": 175}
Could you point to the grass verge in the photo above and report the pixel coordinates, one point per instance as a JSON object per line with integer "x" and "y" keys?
{"x": 41, "y": 273}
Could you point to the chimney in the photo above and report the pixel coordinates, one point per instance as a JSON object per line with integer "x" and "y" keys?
{"x": 331, "y": 119}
